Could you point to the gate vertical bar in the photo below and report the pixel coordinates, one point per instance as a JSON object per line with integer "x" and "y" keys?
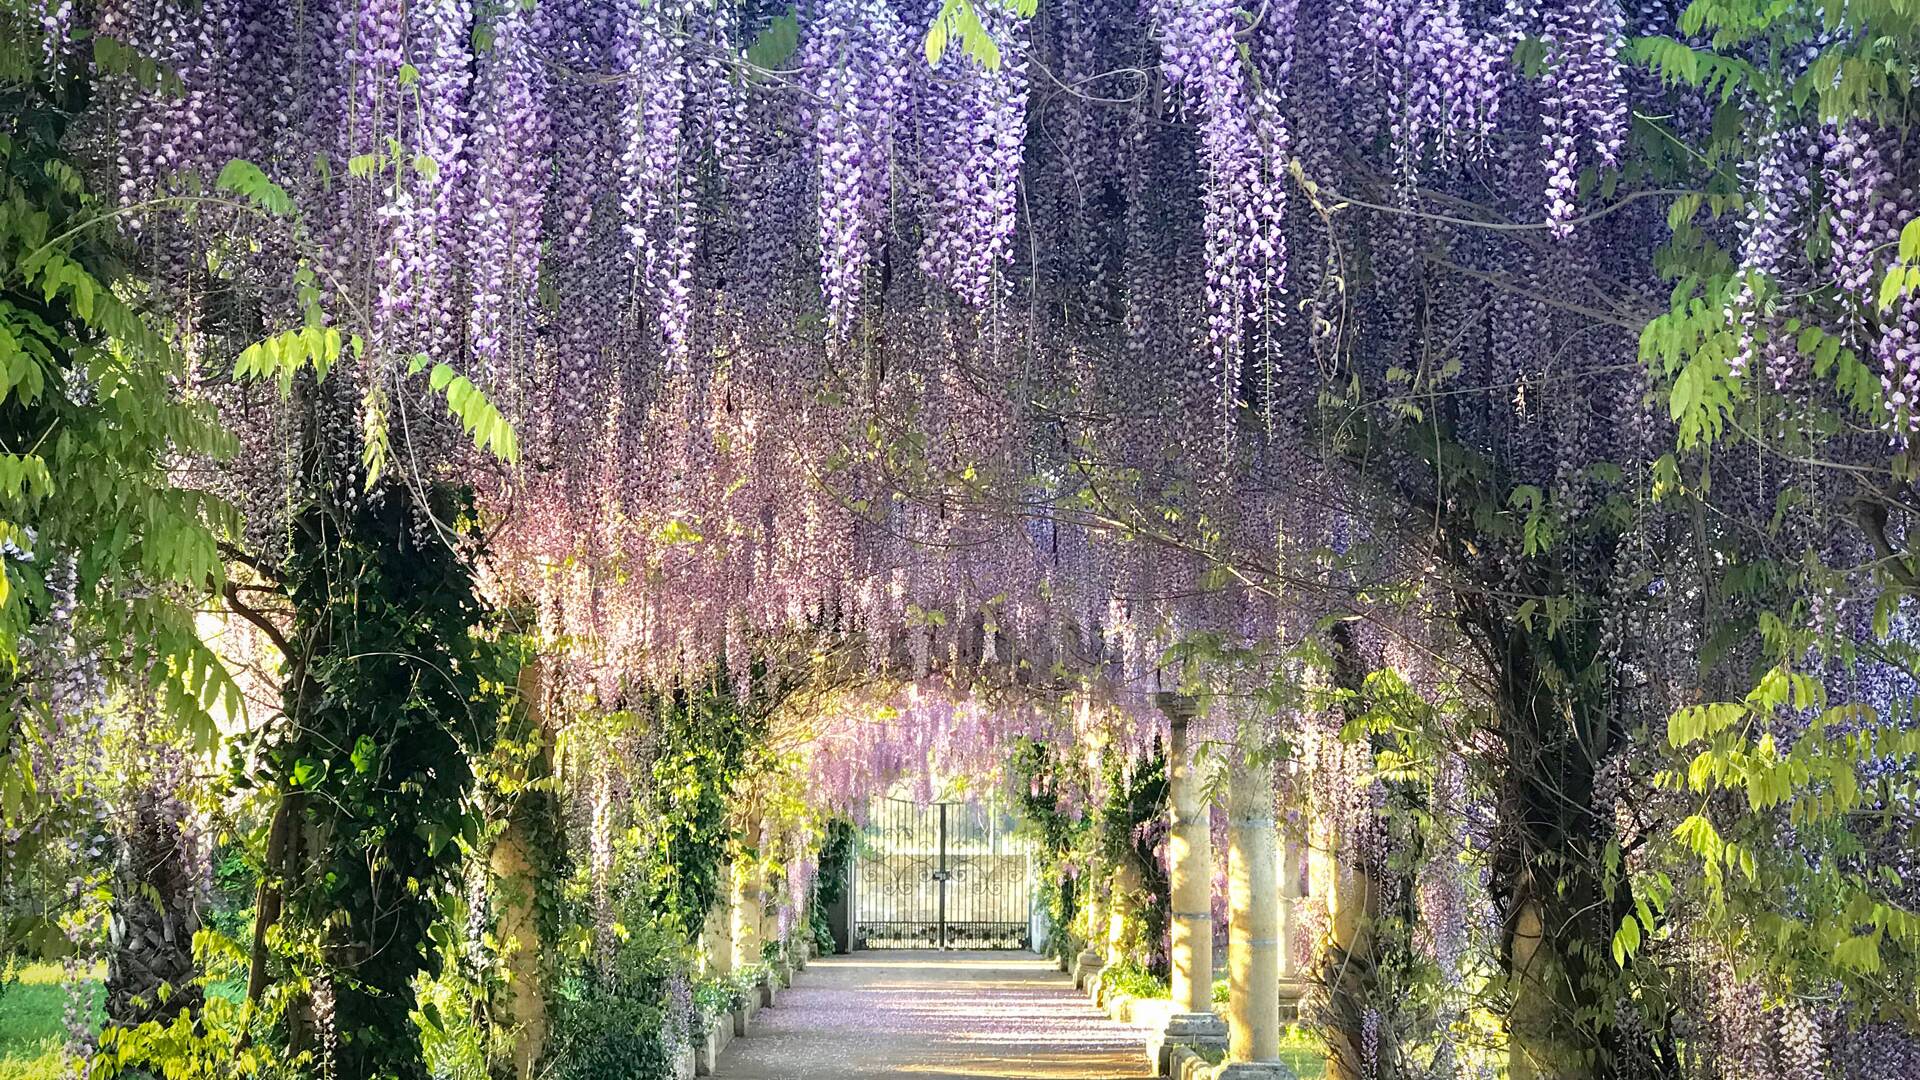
{"x": 941, "y": 875}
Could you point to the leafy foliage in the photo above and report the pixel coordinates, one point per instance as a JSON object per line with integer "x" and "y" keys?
{"x": 393, "y": 688}
{"x": 1129, "y": 828}
{"x": 104, "y": 556}
{"x": 831, "y": 880}
{"x": 92, "y": 420}
{"x": 1033, "y": 774}
{"x": 705, "y": 738}
{"x": 1832, "y": 912}
{"x": 1799, "y": 776}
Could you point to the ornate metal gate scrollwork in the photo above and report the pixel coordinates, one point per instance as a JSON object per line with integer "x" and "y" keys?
{"x": 940, "y": 876}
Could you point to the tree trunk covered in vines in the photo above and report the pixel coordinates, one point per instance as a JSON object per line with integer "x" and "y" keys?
{"x": 1553, "y": 715}
{"x": 391, "y": 692}
{"x": 151, "y": 973}
{"x": 1348, "y": 967}
{"x": 1551, "y": 689}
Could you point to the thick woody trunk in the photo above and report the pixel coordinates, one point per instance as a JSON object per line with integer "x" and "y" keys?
{"x": 516, "y": 867}
{"x": 1538, "y": 978}
{"x": 1345, "y": 879}
{"x": 150, "y": 969}
{"x": 1551, "y": 704}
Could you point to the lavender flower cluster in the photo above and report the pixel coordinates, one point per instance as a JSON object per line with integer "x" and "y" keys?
{"x": 857, "y": 54}
{"x": 973, "y": 123}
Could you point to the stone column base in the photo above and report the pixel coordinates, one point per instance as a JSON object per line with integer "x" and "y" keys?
{"x": 1291, "y": 993}
{"x": 1195, "y": 1030}
{"x": 1255, "y": 1070}
{"x": 1086, "y": 966}
{"x": 707, "y": 1050}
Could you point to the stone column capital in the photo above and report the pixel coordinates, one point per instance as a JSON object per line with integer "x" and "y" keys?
{"x": 1179, "y": 708}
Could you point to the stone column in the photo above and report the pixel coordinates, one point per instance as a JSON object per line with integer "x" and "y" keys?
{"x": 1190, "y": 875}
{"x": 1253, "y": 926}
{"x": 516, "y": 871}
{"x": 1123, "y": 891}
{"x": 1293, "y": 869}
{"x": 1093, "y": 904}
{"x": 748, "y": 901}
{"x": 1190, "y": 871}
{"x": 1124, "y": 887}
{"x": 718, "y": 932}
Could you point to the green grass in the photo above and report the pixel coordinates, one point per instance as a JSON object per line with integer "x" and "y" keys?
{"x": 33, "y": 1026}
{"x": 1304, "y": 1053}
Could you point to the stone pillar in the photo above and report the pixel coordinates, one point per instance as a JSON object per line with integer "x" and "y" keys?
{"x": 749, "y": 905}
{"x": 523, "y": 1002}
{"x": 717, "y": 934}
{"x": 1093, "y": 904}
{"x": 1123, "y": 890}
{"x": 1293, "y": 870}
{"x": 516, "y": 872}
{"x": 1253, "y": 926}
{"x": 1190, "y": 874}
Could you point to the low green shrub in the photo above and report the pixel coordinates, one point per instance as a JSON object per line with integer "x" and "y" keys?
{"x": 820, "y": 931}
{"x": 746, "y": 981}
{"x": 713, "y": 997}
{"x": 599, "y": 1034}
{"x": 1129, "y": 978}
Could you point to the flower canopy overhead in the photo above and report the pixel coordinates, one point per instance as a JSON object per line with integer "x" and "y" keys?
{"x": 1038, "y": 338}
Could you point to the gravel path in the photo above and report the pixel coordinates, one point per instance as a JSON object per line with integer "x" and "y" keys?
{"x": 933, "y": 1016}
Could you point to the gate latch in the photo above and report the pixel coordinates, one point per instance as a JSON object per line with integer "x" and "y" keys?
{"x": 943, "y": 875}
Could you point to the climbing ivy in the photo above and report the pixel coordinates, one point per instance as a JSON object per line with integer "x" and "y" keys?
{"x": 1129, "y": 828}
{"x": 830, "y": 882}
{"x": 1034, "y": 772}
{"x": 393, "y": 687}
{"x": 705, "y": 735}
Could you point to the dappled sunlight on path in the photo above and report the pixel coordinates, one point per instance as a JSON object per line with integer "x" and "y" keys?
{"x": 934, "y": 1016}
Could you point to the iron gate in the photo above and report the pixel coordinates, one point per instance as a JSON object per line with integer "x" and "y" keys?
{"x": 940, "y": 876}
